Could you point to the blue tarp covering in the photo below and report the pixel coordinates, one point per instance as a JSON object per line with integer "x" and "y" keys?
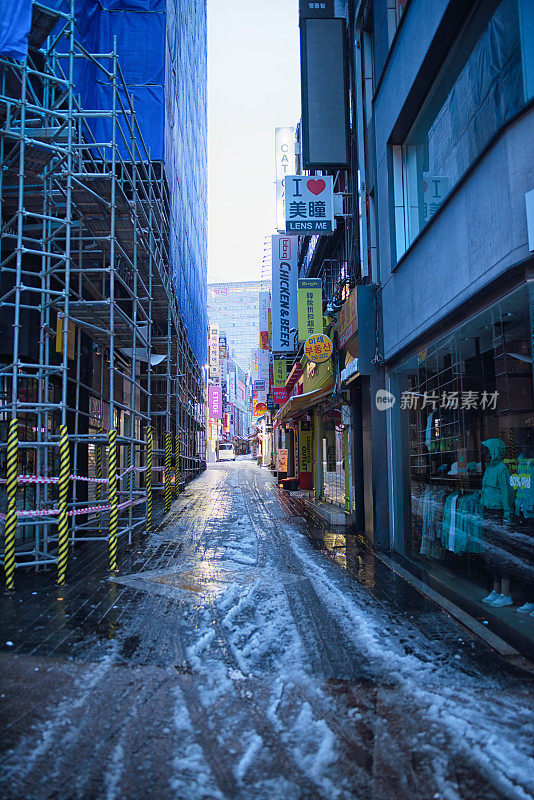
{"x": 15, "y": 24}
{"x": 162, "y": 54}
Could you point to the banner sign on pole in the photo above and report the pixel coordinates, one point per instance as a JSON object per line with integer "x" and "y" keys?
{"x": 309, "y": 204}
{"x": 284, "y": 143}
{"x": 264, "y": 302}
{"x": 347, "y": 319}
{"x": 215, "y": 402}
{"x": 310, "y": 305}
{"x": 215, "y": 370}
{"x": 280, "y": 395}
{"x": 305, "y": 446}
{"x": 280, "y": 372}
{"x": 284, "y": 293}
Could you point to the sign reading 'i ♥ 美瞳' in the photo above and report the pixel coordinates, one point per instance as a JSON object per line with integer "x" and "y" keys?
{"x": 309, "y": 204}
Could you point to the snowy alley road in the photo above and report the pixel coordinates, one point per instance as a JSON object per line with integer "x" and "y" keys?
{"x": 232, "y": 659}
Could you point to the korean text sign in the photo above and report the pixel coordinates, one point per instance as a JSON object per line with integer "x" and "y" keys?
{"x": 215, "y": 368}
{"x": 309, "y": 204}
{"x": 215, "y": 402}
{"x": 318, "y": 348}
{"x": 284, "y": 293}
{"x": 310, "y": 305}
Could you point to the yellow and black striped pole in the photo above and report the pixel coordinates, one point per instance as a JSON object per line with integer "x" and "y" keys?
{"x": 63, "y": 522}
{"x": 98, "y": 469}
{"x": 129, "y": 478}
{"x": 11, "y": 518}
{"x": 148, "y": 480}
{"x": 177, "y": 466}
{"x": 114, "y": 511}
{"x": 168, "y": 459}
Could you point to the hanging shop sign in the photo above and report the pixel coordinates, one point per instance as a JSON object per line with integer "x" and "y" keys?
{"x": 284, "y": 293}
{"x": 263, "y": 366}
{"x": 282, "y": 460}
{"x": 284, "y": 144}
{"x": 347, "y": 319}
{"x": 310, "y": 306}
{"x": 270, "y": 325}
{"x": 279, "y": 372}
{"x": 215, "y": 402}
{"x": 330, "y": 436}
{"x": 264, "y": 302}
{"x": 259, "y": 407}
{"x": 270, "y": 402}
{"x": 215, "y": 369}
{"x": 315, "y": 9}
{"x": 259, "y": 385}
{"x": 318, "y": 348}
{"x": 305, "y": 446}
{"x": 309, "y": 204}
{"x": 280, "y": 395}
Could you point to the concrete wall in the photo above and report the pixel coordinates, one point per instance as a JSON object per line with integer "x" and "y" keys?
{"x": 478, "y": 233}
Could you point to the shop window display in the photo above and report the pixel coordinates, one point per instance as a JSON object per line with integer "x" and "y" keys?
{"x": 466, "y": 409}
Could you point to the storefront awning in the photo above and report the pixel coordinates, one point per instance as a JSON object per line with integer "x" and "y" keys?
{"x": 300, "y": 404}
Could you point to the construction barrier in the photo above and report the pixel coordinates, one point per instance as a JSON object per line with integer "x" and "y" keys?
{"x": 148, "y": 481}
{"x": 11, "y": 517}
{"x": 63, "y": 520}
{"x": 177, "y": 467}
{"x": 99, "y": 478}
{"x": 113, "y": 501}
{"x": 168, "y": 459}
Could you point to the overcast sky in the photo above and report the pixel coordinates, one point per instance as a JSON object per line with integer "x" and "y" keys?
{"x": 253, "y": 62}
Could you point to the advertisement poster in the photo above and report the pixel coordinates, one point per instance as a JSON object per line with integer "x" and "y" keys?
{"x": 309, "y": 204}
{"x": 215, "y": 402}
{"x": 284, "y": 293}
{"x": 282, "y": 460}
{"x": 310, "y": 305}
{"x": 305, "y": 446}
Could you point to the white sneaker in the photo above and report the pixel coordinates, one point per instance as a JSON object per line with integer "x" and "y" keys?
{"x": 502, "y": 600}
{"x": 526, "y": 608}
{"x": 491, "y": 597}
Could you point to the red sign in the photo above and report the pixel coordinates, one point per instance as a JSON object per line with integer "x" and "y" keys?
{"x": 280, "y": 395}
{"x": 285, "y": 248}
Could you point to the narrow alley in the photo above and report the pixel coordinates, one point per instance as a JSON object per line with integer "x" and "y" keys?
{"x": 232, "y": 656}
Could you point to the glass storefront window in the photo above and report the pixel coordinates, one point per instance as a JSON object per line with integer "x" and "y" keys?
{"x": 466, "y": 427}
{"x": 488, "y": 77}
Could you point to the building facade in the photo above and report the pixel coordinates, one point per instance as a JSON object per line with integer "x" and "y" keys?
{"x": 422, "y": 421}
{"x": 234, "y": 307}
{"x": 449, "y": 150}
{"x": 102, "y": 332}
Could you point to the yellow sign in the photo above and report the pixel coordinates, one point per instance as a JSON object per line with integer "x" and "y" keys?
{"x": 310, "y": 307}
{"x": 279, "y": 372}
{"x": 258, "y": 407}
{"x": 59, "y": 338}
{"x": 318, "y": 348}
{"x": 305, "y": 446}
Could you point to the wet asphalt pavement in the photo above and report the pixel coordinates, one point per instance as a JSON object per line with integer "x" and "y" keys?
{"x": 244, "y": 651}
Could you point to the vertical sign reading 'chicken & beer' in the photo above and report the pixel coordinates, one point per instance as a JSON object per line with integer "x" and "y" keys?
{"x": 284, "y": 293}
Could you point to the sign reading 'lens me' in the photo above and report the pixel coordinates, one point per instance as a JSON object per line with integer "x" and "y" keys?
{"x": 309, "y": 204}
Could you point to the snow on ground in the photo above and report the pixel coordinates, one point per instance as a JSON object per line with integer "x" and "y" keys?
{"x": 289, "y": 682}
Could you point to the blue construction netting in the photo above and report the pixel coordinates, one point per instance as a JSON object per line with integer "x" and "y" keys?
{"x": 15, "y": 23}
{"x": 162, "y": 52}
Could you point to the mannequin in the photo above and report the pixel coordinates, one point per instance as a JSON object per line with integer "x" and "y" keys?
{"x": 497, "y": 500}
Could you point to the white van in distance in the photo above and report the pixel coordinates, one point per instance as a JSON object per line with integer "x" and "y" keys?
{"x": 226, "y": 452}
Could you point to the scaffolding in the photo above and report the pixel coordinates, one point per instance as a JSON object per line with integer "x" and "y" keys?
{"x": 91, "y": 336}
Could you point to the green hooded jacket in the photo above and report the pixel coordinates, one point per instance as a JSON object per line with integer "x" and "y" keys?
{"x": 496, "y": 492}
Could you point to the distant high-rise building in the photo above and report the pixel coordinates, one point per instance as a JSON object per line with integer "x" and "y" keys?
{"x": 234, "y": 307}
